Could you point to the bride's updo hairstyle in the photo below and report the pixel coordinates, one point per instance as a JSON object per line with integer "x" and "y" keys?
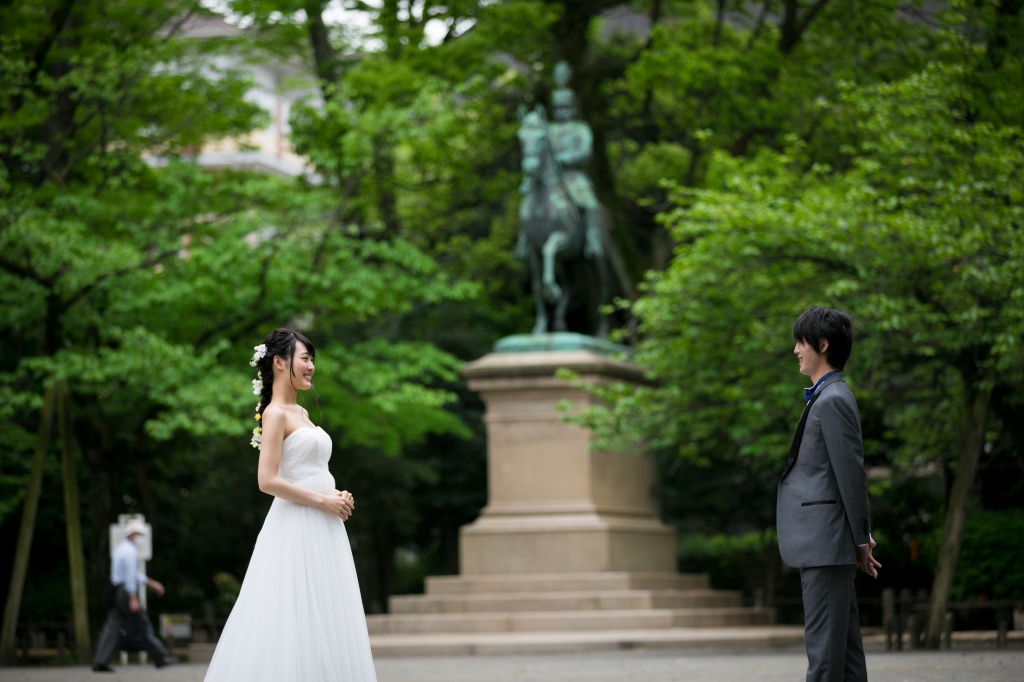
{"x": 280, "y": 342}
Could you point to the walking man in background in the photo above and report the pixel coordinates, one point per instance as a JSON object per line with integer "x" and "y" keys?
{"x": 823, "y": 518}
{"x": 126, "y": 619}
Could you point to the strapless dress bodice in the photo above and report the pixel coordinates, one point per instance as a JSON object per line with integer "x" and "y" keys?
{"x": 304, "y": 457}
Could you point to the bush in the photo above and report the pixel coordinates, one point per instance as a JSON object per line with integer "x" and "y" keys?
{"x": 991, "y": 560}
{"x": 733, "y": 562}
{"x": 228, "y": 588}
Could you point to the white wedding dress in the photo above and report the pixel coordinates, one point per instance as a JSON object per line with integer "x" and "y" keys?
{"x": 299, "y": 615}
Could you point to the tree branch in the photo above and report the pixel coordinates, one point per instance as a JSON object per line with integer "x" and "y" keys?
{"x": 56, "y": 26}
{"x": 758, "y": 26}
{"x": 323, "y": 51}
{"x": 148, "y": 262}
{"x": 719, "y": 21}
{"x": 23, "y": 272}
{"x": 793, "y": 25}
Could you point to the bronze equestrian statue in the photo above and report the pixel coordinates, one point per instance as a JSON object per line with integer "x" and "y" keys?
{"x": 560, "y": 218}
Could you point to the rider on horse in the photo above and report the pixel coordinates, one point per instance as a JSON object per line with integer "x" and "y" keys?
{"x": 573, "y": 143}
{"x": 560, "y": 218}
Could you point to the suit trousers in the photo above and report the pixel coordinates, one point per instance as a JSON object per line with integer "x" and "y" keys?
{"x": 835, "y": 652}
{"x": 132, "y": 629}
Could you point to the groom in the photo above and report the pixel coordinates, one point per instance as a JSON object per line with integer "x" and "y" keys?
{"x": 823, "y": 517}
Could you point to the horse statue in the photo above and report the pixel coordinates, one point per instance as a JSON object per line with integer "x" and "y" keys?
{"x": 553, "y": 229}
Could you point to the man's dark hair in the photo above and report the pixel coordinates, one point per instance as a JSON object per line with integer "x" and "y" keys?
{"x": 836, "y": 327}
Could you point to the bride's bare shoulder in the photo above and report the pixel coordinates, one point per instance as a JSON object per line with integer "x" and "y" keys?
{"x": 273, "y": 409}
{"x": 274, "y": 414}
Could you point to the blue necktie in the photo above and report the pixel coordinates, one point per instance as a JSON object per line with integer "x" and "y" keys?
{"x": 809, "y": 393}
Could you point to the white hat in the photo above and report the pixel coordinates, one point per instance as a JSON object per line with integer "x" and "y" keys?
{"x": 134, "y": 526}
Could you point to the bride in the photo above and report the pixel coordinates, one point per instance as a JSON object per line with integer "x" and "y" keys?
{"x": 299, "y": 615}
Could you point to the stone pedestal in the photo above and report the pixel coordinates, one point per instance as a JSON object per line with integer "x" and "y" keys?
{"x": 555, "y": 505}
{"x": 568, "y": 555}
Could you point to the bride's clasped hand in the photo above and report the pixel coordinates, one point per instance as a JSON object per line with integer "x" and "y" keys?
{"x": 341, "y": 503}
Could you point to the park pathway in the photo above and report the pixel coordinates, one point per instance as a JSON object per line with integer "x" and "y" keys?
{"x": 625, "y": 666}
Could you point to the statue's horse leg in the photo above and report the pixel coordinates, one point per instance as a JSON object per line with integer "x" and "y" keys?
{"x": 603, "y": 294}
{"x": 553, "y": 244}
{"x": 536, "y": 283}
{"x": 563, "y": 302}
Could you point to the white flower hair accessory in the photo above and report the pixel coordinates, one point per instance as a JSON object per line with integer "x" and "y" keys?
{"x": 257, "y": 389}
{"x": 261, "y": 351}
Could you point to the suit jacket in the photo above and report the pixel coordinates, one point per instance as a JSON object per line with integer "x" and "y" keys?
{"x": 822, "y": 512}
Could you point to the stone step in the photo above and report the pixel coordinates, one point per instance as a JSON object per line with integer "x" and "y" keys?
{"x": 583, "y": 600}
{"x": 561, "y": 621}
{"x": 540, "y": 642}
{"x": 564, "y": 582}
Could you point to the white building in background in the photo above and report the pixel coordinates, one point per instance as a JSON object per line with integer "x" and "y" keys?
{"x": 276, "y": 87}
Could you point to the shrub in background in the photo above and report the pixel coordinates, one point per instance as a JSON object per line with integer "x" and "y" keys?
{"x": 991, "y": 564}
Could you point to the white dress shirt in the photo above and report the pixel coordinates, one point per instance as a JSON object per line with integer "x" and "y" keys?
{"x": 124, "y": 569}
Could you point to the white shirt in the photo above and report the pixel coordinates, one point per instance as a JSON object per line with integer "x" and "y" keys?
{"x": 124, "y": 569}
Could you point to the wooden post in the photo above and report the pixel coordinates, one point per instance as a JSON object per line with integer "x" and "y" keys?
{"x": 914, "y": 627}
{"x": 73, "y": 523}
{"x": 12, "y": 608}
{"x": 211, "y": 620}
{"x": 1003, "y": 626}
{"x": 921, "y": 617}
{"x": 902, "y": 621}
{"x": 947, "y": 632}
{"x": 889, "y": 616}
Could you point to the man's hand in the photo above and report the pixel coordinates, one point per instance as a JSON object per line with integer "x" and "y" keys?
{"x": 867, "y": 563}
{"x": 156, "y": 586}
{"x": 133, "y": 603}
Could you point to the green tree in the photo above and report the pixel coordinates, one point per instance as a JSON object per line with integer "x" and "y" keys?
{"x": 421, "y": 134}
{"x": 74, "y": 127}
{"x": 141, "y": 289}
{"x": 919, "y": 238}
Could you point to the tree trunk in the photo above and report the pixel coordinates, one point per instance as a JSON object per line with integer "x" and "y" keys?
{"x": 971, "y": 443}
{"x": 146, "y": 492}
{"x": 384, "y": 175}
{"x": 76, "y": 557}
{"x": 28, "y": 526}
{"x": 323, "y": 51}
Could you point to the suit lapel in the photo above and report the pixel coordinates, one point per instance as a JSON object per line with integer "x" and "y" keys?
{"x": 798, "y": 437}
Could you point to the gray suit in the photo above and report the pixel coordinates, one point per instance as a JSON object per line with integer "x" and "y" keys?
{"x": 822, "y": 515}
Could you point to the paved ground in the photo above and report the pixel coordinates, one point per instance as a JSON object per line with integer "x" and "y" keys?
{"x": 625, "y": 666}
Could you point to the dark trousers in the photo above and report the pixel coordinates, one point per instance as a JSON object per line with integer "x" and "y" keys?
{"x": 835, "y": 652}
{"x": 129, "y": 631}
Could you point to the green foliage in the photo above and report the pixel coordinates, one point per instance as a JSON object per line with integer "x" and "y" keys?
{"x": 859, "y": 148}
{"x": 143, "y": 282}
{"x": 991, "y": 564}
{"x": 228, "y": 588}
{"x": 910, "y": 218}
{"x": 919, "y": 241}
{"x": 733, "y": 561}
